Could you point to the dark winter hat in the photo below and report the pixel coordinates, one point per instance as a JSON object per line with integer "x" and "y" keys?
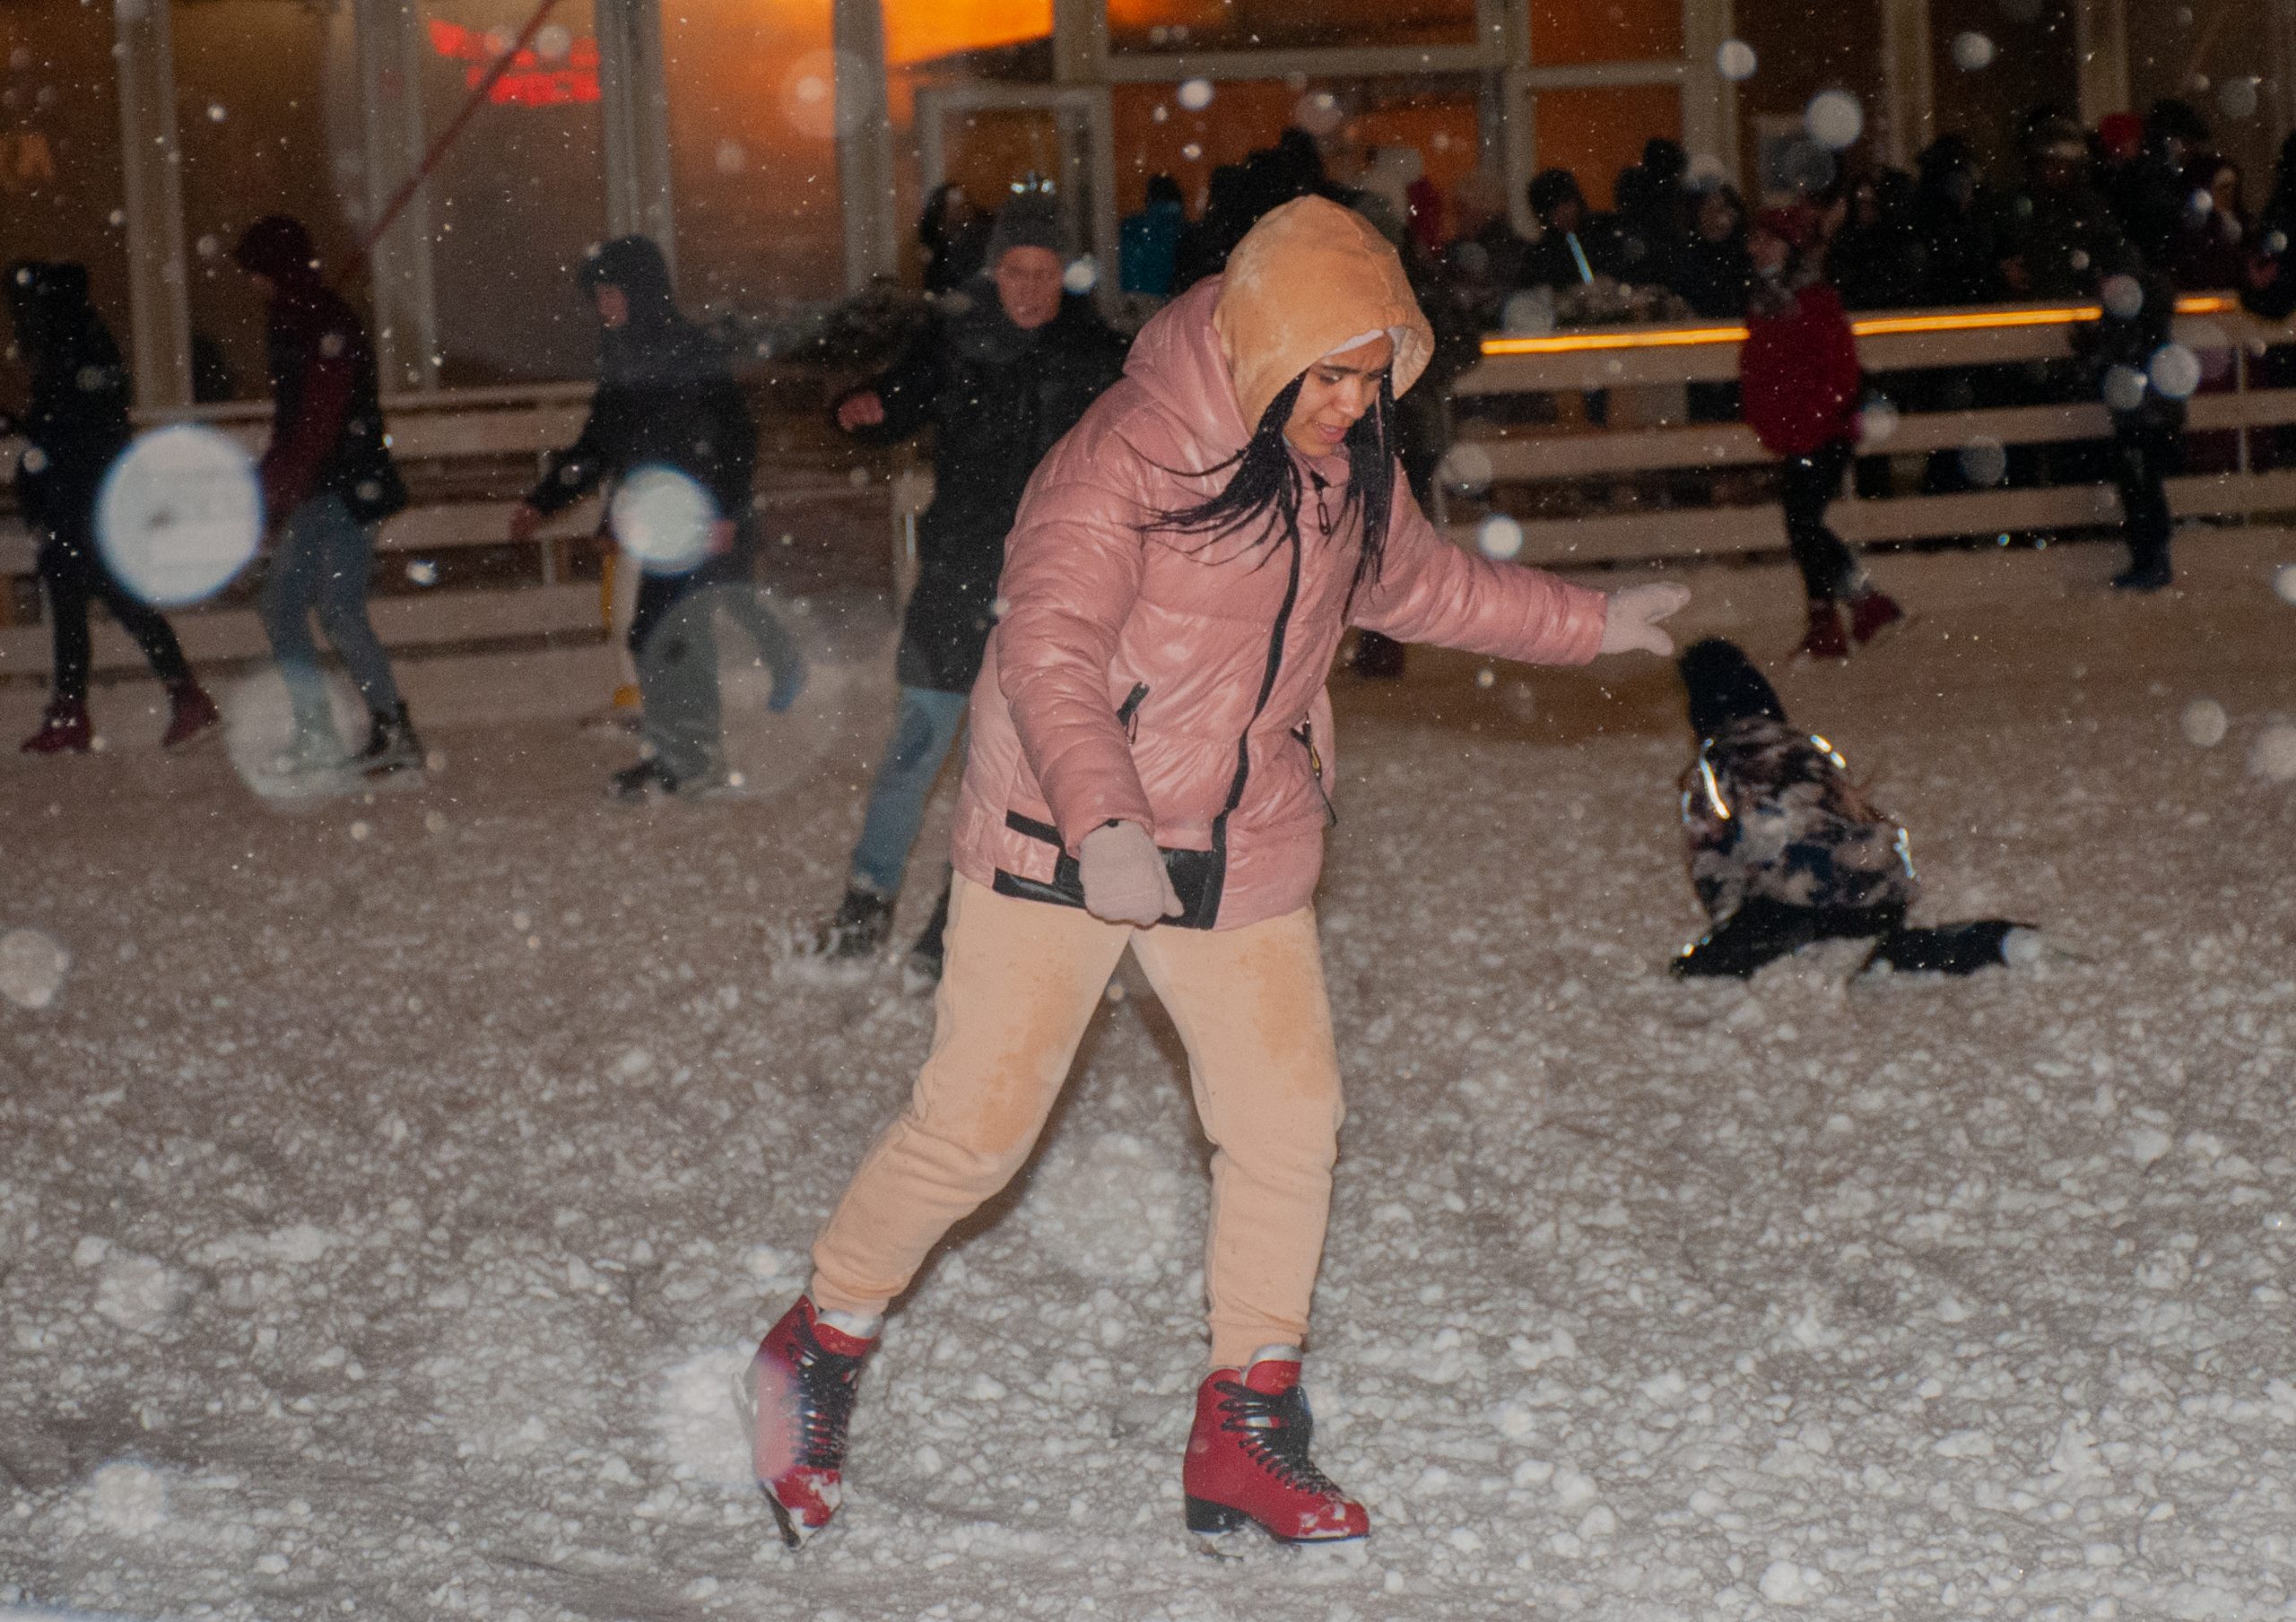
{"x": 46, "y": 285}
{"x": 1550, "y": 187}
{"x": 278, "y": 245}
{"x": 1029, "y": 219}
{"x": 1664, "y": 158}
{"x": 1724, "y": 686}
{"x": 635, "y": 265}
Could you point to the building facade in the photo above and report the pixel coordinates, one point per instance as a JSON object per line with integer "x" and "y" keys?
{"x": 781, "y": 149}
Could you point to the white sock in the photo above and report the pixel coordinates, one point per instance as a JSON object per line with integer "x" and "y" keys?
{"x": 861, "y": 1326}
{"x": 1274, "y": 1354}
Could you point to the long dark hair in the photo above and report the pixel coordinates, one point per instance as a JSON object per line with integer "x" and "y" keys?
{"x": 1264, "y": 492}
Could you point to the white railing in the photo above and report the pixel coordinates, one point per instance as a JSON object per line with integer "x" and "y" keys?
{"x": 1655, "y": 362}
{"x": 428, "y": 431}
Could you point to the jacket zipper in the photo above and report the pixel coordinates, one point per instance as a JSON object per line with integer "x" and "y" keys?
{"x": 1128, "y": 714}
{"x": 1266, "y": 689}
{"x": 1307, "y": 737}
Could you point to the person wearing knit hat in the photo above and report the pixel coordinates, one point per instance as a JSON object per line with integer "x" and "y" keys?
{"x": 1006, "y": 366}
{"x": 1151, "y": 771}
{"x": 1801, "y": 389}
{"x": 1029, "y": 218}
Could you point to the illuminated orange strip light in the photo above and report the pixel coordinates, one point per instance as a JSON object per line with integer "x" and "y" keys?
{"x": 1871, "y": 327}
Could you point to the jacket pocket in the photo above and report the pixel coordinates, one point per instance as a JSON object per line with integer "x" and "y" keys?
{"x": 1198, "y": 876}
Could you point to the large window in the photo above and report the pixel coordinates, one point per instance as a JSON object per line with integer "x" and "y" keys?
{"x": 1594, "y": 131}
{"x": 1797, "y": 56}
{"x": 255, "y": 84}
{"x": 1574, "y": 32}
{"x": 1158, "y": 132}
{"x": 520, "y": 198}
{"x": 60, "y": 189}
{"x": 753, "y": 152}
{"x": 1199, "y": 25}
{"x": 1987, "y": 60}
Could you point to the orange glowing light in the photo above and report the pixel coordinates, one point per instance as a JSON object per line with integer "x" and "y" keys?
{"x": 1869, "y": 326}
{"x": 921, "y": 31}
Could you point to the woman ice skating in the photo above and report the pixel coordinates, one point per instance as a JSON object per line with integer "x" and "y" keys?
{"x": 1149, "y": 771}
{"x": 1801, "y": 388}
{"x": 1784, "y": 848}
{"x": 74, "y": 427}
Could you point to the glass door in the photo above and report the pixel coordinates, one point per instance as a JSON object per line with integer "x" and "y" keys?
{"x": 990, "y": 139}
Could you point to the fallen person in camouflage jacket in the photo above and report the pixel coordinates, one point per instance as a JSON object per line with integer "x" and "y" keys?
{"x": 1784, "y": 849}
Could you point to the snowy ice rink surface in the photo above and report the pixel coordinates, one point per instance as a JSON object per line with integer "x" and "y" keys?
{"x": 390, "y": 1189}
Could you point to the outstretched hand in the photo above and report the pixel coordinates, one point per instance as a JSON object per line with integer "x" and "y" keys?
{"x": 1635, "y": 611}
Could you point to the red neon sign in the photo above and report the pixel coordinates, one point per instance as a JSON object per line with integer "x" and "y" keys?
{"x": 529, "y": 83}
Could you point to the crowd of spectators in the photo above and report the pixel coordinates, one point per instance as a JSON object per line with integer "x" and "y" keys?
{"x": 2150, "y": 193}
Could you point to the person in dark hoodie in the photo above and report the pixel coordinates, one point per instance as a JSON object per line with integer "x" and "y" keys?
{"x": 1786, "y": 850}
{"x": 666, "y": 399}
{"x": 2122, "y": 353}
{"x": 999, "y": 376}
{"x": 328, "y": 480}
{"x": 74, "y": 426}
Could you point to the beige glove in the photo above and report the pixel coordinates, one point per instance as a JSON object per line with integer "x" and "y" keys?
{"x": 1124, "y": 881}
{"x": 1634, "y": 614}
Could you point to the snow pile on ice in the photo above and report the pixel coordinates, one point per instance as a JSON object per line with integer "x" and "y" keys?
{"x": 391, "y": 1231}
{"x": 32, "y": 966}
{"x": 2272, "y": 757}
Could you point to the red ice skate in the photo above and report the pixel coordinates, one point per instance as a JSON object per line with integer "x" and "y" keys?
{"x": 802, "y": 1383}
{"x": 1247, "y": 1458}
{"x": 1825, "y": 639}
{"x": 192, "y": 715}
{"x": 64, "y": 729}
{"x": 1876, "y": 615}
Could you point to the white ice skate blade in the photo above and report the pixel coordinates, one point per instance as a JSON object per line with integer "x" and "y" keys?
{"x": 1253, "y": 1543}
{"x": 795, "y": 1533}
{"x": 799, "y": 967}
{"x": 404, "y": 780}
{"x": 329, "y": 782}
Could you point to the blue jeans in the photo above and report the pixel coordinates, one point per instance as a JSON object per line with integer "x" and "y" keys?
{"x": 322, "y": 561}
{"x": 923, "y": 731}
{"x": 673, "y": 637}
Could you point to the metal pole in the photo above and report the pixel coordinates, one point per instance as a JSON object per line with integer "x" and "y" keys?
{"x": 152, "y": 185}
{"x": 865, "y": 142}
{"x": 633, "y": 83}
{"x": 388, "y": 35}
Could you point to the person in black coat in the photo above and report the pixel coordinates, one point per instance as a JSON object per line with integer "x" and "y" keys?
{"x": 1655, "y": 212}
{"x": 667, "y": 401}
{"x": 1004, "y": 368}
{"x": 74, "y": 427}
{"x": 328, "y": 480}
{"x": 1575, "y": 245}
{"x": 2122, "y": 353}
{"x": 1714, "y": 275}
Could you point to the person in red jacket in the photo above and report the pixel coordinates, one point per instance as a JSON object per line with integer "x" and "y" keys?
{"x": 1801, "y": 386}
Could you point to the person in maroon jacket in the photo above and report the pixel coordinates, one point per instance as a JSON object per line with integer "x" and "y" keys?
{"x": 1801, "y": 387}
{"x": 328, "y": 480}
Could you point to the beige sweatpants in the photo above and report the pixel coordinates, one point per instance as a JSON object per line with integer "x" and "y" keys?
{"x": 1022, "y": 981}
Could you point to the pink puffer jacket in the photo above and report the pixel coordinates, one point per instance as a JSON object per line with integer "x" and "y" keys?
{"x": 1158, "y": 679}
